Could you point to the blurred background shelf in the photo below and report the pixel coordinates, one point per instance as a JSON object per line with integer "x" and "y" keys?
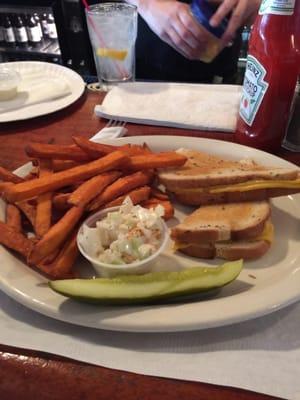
{"x": 63, "y": 35}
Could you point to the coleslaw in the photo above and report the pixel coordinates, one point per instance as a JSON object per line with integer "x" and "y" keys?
{"x": 129, "y": 234}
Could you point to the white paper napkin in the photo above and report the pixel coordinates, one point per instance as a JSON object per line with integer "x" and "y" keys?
{"x": 192, "y": 106}
{"x": 112, "y": 132}
{"x": 262, "y": 355}
{"x": 35, "y": 88}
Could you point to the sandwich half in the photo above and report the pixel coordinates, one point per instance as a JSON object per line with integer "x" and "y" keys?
{"x": 207, "y": 179}
{"x": 228, "y": 231}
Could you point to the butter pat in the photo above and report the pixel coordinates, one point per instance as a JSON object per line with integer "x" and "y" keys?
{"x": 9, "y": 81}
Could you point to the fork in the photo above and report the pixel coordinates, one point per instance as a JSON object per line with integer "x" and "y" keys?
{"x": 112, "y": 130}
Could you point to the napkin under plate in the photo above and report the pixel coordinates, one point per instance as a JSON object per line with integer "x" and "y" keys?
{"x": 36, "y": 88}
{"x": 190, "y": 106}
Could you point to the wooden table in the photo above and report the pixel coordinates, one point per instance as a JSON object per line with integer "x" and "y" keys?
{"x": 30, "y": 375}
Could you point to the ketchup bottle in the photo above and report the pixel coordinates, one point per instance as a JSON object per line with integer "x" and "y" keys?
{"x": 272, "y": 70}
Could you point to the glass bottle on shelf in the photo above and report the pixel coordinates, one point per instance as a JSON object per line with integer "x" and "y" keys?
{"x": 20, "y": 31}
{"x": 33, "y": 31}
{"x": 44, "y": 24}
{"x": 1, "y": 30}
{"x": 9, "y": 35}
{"x": 38, "y": 23}
{"x": 52, "y": 33}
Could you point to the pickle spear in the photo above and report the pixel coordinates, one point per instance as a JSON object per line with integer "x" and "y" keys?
{"x": 148, "y": 288}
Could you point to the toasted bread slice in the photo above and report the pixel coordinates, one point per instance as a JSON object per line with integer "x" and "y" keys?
{"x": 229, "y": 251}
{"x": 214, "y": 223}
{"x": 205, "y": 198}
{"x": 203, "y": 170}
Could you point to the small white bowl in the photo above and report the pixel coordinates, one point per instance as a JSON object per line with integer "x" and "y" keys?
{"x": 9, "y": 81}
{"x": 111, "y": 270}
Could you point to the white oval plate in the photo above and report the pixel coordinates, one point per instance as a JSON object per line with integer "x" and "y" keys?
{"x": 264, "y": 286}
{"x": 74, "y": 80}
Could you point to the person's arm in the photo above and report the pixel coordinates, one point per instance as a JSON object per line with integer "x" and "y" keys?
{"x": 172, "y": 21}
{"x": 243, "y": 12}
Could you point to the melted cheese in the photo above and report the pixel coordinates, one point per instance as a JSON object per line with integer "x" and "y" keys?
{"x": 246, "y": 186}
{"x": 268, "y": 233}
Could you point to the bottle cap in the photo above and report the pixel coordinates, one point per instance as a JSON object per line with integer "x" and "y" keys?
{"x": 203, "y": 11}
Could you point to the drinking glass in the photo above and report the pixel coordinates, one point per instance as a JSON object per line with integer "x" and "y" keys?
{"x": 113, "y": 29}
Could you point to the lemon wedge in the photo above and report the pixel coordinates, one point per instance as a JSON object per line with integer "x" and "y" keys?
{"x": 115, "y": 54}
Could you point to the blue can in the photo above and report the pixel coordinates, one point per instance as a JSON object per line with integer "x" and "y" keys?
{"x": 202, "y": 11}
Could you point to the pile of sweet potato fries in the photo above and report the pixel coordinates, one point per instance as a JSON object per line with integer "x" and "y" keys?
{"x": 65, "y": 185}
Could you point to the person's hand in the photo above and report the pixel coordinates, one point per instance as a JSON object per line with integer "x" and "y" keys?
{"x": 243, "y": 12}
{"x": 174, "y": 24}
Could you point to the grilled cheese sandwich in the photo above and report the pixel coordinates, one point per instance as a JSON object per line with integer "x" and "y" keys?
{"x": 206, "y": 179}
{"x": 231, "y": 231}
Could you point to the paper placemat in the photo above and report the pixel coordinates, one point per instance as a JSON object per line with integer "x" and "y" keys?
{"x": 262, "y": 355}
{"x": 191, "y": 106}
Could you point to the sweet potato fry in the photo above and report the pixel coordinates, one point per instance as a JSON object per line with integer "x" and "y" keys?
{"x": 55, "y": 151}
{"x": 8, "y": 176}
{"x": 159, "y": 194}
{"x": 50, "y": 259}
{"x": 91, "y": 188}
{"x": 28, "y": 210}
{"x": 61, "y": 201}
{"x": 43, "y": 214}
{"x": 29, "y": 189}
{"x": 156, "y": 160}
{"x": 13, "y": 217}
{"x": 167, "y": 205}
{"x": 96, "y": 150}
{"x": 121, "y": 186}
{"x": 62, "y": 165}
{"x": 137, "y": 196}
{"x": 56, "y": 235}
{"x": 42, "y": 221}
{"x": 169, "y": 210}
{"x": 135, "y": 149}
{"x": 146, "y": 148}
{"x": 45, "y": 167}
{"x": 66, "y": 258}
{"x": 61, "y": 266}
{"x": 4, "y": 185}
{"x": 44, "y": 268}
{"x": 14, "y": 240}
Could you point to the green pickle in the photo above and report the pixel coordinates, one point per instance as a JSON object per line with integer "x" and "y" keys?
{"x": 148, "y": 288}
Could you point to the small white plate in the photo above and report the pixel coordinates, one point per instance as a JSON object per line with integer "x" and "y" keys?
{"x": 264, "y": 285}
{"x": 74, "y": 80}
